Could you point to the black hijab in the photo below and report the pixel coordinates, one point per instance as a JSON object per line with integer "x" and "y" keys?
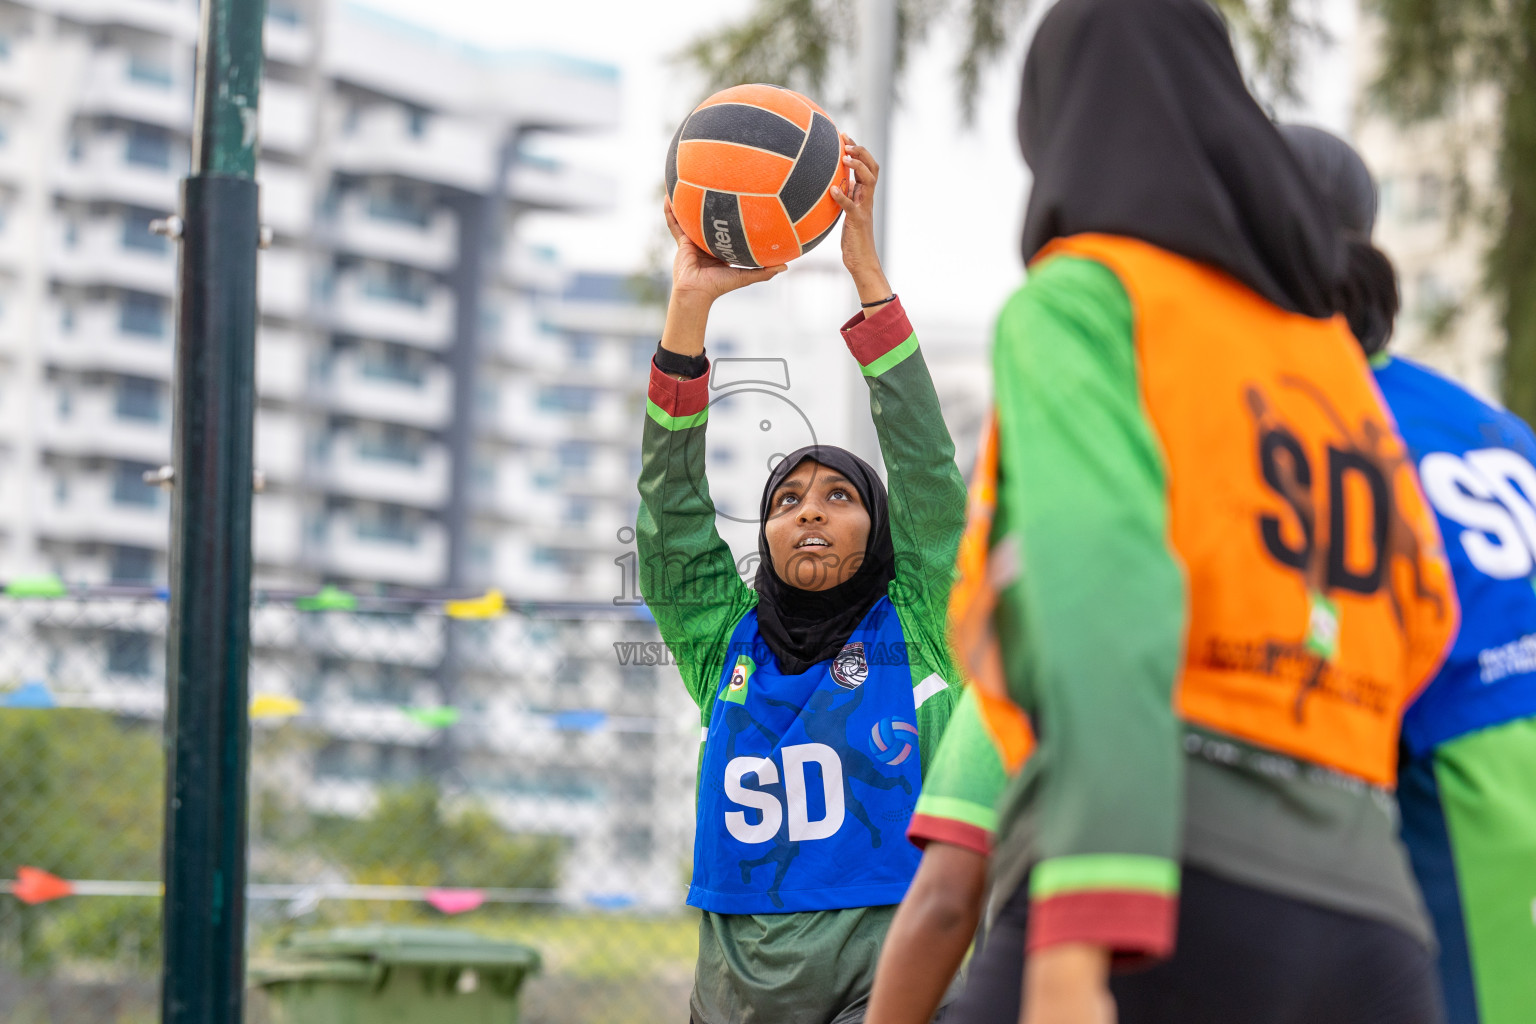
{"x": 802, "y": 627}
{"x": 1135, "y": 120}
{"x": 1367, "y": 294}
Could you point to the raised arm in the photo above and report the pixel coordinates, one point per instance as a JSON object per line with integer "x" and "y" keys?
{"x": 687, "y": 574}
{"x": 927, "y": 494}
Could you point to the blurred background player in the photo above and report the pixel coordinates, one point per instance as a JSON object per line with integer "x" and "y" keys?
{"x": 1467, "y": 787}
{"x": 1217, "y": 583}
{"x": 824, "y": 687}
{"x": 954, "y": 825}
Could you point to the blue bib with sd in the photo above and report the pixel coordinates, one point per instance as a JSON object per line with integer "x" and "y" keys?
{"x": 1475, "y": 463}
{"x": 808, "y": 781}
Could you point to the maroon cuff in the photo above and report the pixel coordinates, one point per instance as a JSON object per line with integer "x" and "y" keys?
{"x": 926, "y": 829}
{"x": 1129, "y": 923}
{"x": 870, "y": 337}
{"x": 678, "y": 397}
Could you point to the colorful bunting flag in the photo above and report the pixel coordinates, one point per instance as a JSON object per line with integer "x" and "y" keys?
{"x": 29, "y": 695}
{"x": 433, "y": 718}
{"x": 328, "y": 598}
{"x": 488, "y": 606}
{"x": 610, "y": 900}
{"x": 275, "y": 705}
{"x": 33, "y": 885}
{"x": 579, "y": 721}
{"x": 456, "y": 901}
{"x": 39, "y": 585}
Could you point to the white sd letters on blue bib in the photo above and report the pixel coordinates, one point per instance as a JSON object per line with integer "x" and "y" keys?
{"x": 1475, "y": 464}
{"x": 808, "y": 781}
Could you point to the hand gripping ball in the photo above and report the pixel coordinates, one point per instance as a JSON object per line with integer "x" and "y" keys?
{"x": 892, "y": 740}
{"x": 750, "y": 174}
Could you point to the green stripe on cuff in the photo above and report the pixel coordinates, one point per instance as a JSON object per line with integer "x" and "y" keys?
{"x": 671, "y": 422}
{"x": 891, "y": 358}
{"x": 955, "y": 809}
{"x": 1121, "y": 872}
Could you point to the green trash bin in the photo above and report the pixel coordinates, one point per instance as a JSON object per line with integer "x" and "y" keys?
{"x": 390, "y": 975}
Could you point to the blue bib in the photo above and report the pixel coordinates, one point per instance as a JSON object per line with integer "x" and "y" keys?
{"x": 808, "y": 781}
{"x": 1476, "y": 466}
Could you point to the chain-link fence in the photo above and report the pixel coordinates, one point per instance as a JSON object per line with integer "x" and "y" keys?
{"x": 522, "y": 774}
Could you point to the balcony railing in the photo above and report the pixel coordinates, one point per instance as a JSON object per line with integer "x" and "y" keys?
{"x": 422, "y": 238}
{"x": 358, "y": 309}
{"x": 422, "y": 399}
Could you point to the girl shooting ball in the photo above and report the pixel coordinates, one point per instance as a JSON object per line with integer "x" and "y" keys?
{"x": 824, "y": 686}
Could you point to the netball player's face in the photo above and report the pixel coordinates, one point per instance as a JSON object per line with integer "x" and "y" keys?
{"x": 817, "y": 528}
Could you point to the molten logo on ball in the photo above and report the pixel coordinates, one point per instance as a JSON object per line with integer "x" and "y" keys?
{"x": 892, "y": 740}
{"x": 750, "y": 174}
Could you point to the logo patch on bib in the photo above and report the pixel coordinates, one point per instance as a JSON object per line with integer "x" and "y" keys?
{"x": 849, "y": 668}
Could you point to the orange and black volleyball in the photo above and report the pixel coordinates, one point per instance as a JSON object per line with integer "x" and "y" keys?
{"x": 750, "y": 174}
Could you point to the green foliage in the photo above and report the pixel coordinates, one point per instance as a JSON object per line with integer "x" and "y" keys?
{"x": 80, "y": 796}
{"x": 1433, "y": 50}
{"x": 800, "y": 43}
{"x": 1275, "y": 34}
{"x": 1435, "y": 54}
{"x": 412, "y": 839}
{"x": 786, "y": 42}
{"x": 68, "y": 779}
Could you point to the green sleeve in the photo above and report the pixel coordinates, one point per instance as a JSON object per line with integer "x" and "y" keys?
{"x": 687, "y": 574}
{"x": 927, "y": 505}
{"x": 927, "y": 496}
{"x": 1101, "y": 598}
{"x": 958, "y": 804}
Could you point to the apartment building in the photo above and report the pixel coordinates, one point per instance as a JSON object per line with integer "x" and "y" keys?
{"x": 440, "y": 407}
{"x": 428, "y": 387}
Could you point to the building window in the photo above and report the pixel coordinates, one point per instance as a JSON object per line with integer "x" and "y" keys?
{"x": 390, "y": 444}
{"x": 400, "y": 203}
{"x": 67, "y": 318}
{"x": 483, "y": 476}
{"x": 285, "y": 14}
{"x": 487, "y": 398}
{"x": 577, "y": 512}
{"x": 66, "y": 403}
{"x": 131, "y": 653}
{"x": 392, "y": 363}
{"x": 148, "y": 147}
{"x": 149, "y": 71}
{"x": 142, "y": 314}
{"x": 129, "y": 488}
{"x": 137, "y": 234}
{"x": 640, "y": 355}
{"x": 416, "y": 122}
{"x": 138, "y": 399}
{"x": 396, "y": 284}
{"x": 634, "y": 843}
{"x": 388, "y": 524}
{"x": 71, "y": 233}
{"x": 566, "y": 398}
{"x": 575, "y": 455}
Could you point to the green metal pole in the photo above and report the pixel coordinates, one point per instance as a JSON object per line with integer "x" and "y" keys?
{"x": 208, "y": 642}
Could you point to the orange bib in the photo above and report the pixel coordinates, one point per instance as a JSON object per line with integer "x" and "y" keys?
{"x": 1319, "y": 599}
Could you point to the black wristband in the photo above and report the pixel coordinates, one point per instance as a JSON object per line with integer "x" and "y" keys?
{"x": 879, "y": 302}
{"x": 675, "y": 364}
